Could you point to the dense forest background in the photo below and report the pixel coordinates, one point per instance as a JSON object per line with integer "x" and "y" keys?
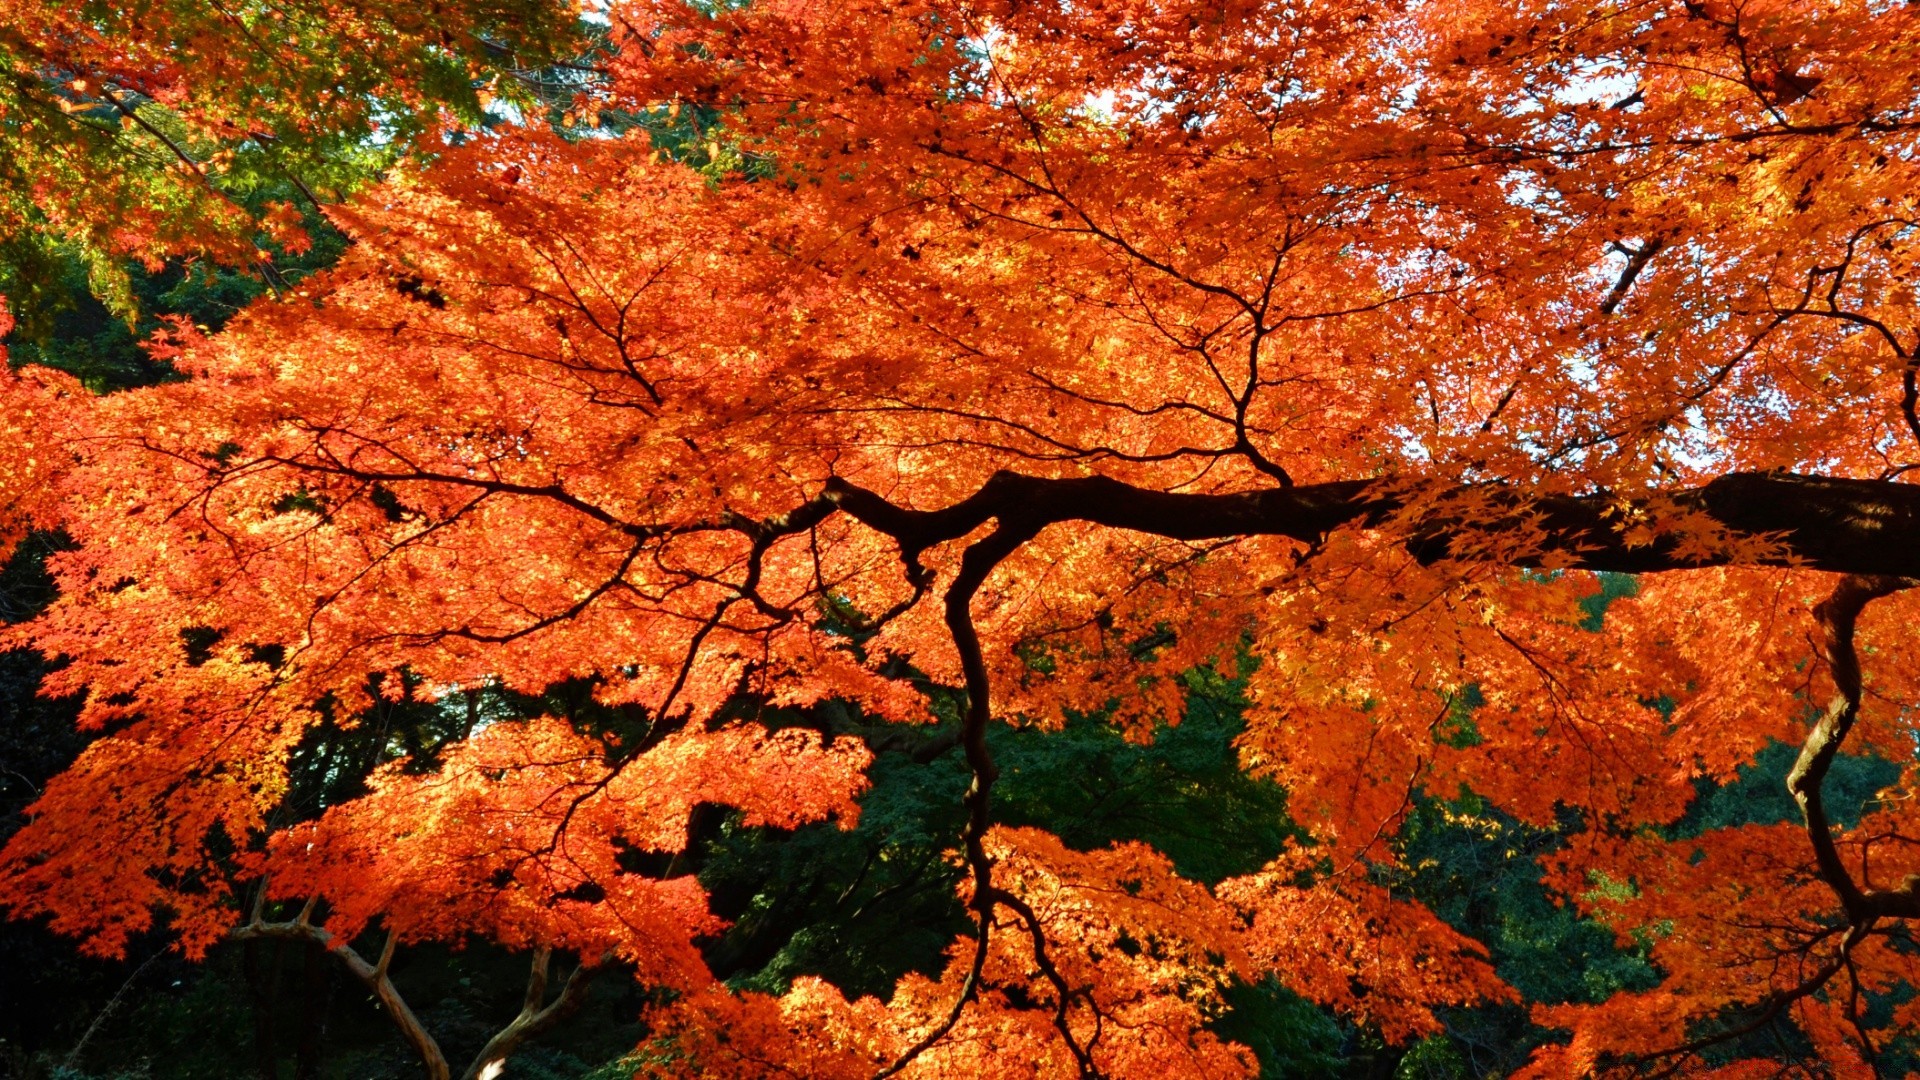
{"x": 858, "y": 907}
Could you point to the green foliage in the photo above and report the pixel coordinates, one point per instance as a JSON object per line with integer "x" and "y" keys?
{"x": 1478, "y": 870}
{"x": 64, "y": 323}
{"x": 1292, "y": 1037}
{"x": 163, "y": 1035}
{"x": 861, "y": 908}
{"x": 1612, "y": 587}
{"x": 1183, "y": 793}
{"x": 179, "y": 128}
{"x": 1758, "y": 794}
{"x": 1435, "y": 1058}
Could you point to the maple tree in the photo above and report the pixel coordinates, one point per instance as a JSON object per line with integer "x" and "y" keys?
{"x": 1050, "y": 353}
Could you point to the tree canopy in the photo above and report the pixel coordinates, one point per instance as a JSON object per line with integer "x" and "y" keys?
{"x": 965, "y": 365}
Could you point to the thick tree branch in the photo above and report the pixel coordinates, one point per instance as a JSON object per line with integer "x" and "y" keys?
{"x": 535, "y": 1017}
{"x": 1863, "y": 907}
{"x": 1816, "y": 522}
{"x": 374, "y": 976}
{"x": 1837, "y": 614}
{"x": 1637, "y": 260}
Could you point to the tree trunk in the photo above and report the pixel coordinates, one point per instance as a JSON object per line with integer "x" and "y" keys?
{"x": 316, "y": 1002}
{"x": 262, "y": 975}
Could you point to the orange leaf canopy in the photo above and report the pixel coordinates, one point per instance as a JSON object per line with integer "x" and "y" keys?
{"x": 1050, "y": 351}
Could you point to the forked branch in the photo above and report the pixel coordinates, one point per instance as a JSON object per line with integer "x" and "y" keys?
{"x": 1863, "y": 907}
{"x": 536, "y": 1017}
{"x": 1838, "y": 615}
{"x": 1637, "y": 260}
{"x": 373, "y": 976}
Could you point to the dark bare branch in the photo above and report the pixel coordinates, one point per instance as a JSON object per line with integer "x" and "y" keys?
{"x": 1637, "y": 260}
{"x": 1762, "y": 519}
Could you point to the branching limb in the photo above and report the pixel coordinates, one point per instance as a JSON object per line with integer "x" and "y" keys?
{"x": 1838, "y": 615}
{"x": 535, "y": 1017}
{"x": 978, "y": 562}
{"x": 1063, "y": 992}
{"x": 1862, "y": 905}
{"x": 1810, "y": 522}
{"x": 1765, "y": 1012}
{"x": 1637, "y": 260}
{"x": 373, "y": 976}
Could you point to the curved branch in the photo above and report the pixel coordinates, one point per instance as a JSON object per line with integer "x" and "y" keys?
{"x": 1765, "y": 1012}
{"x": 374, "y": 976}
{"x": 535, "y": 1018}
{"x": 978, "y": 562}
{"x": 1064, "y": 993}
{"x": 1838, "y": 615}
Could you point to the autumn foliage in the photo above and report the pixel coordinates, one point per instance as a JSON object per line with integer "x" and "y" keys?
{"x": 1048, "y": 352}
